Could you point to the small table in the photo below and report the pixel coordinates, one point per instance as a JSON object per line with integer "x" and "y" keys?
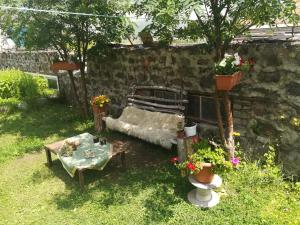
{"x": 54, "y": 148}
{"x": 203, "y": 196}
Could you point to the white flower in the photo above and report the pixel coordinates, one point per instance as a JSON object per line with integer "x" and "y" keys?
{"x": 223, "y": 62}
{"x": 237, "y": 60}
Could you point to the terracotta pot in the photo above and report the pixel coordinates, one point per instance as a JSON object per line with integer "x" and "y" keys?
{"x": 64, "y": 66}
{"x": 227, "y": 82}
{"x": 206, "y": 175}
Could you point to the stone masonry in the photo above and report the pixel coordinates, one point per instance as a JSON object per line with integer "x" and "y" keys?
{"x": 266, "y": 103}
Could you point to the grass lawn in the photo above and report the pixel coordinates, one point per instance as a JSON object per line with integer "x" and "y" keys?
{"x": 150, "y": 191}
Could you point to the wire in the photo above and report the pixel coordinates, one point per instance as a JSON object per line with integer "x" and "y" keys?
{"x": 26, "y": 9}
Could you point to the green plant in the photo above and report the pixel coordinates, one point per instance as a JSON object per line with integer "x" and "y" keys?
{"x": 17, "y": 84}
{"x": 207, "y": 153}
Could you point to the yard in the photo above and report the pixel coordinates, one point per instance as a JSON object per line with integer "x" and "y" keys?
{"x": 149, "y": 191}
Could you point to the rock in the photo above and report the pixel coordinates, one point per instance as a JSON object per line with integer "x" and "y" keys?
{"x": 293, "y": 88}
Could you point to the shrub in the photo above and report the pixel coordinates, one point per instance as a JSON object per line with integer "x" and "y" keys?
{"x": 16, "y": 84}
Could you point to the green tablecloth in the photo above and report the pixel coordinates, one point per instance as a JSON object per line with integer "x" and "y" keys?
{"x": 78, "y": 160}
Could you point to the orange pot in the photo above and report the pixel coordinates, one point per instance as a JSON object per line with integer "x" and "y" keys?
{"x": 205, "y": 175}
{"x": 227, "y": 82}
{"x": 64, "y": 66}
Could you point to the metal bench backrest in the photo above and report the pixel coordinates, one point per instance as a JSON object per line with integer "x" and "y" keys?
{"x": 158, "y": 99}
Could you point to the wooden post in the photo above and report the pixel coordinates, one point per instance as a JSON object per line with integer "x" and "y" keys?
{"x": 229, "y": 122}
{"x": 81, "y": 179}
{"x": 48, "y": 155}
{"x": 99, "y": 113}
{"x": 219, "y": 118}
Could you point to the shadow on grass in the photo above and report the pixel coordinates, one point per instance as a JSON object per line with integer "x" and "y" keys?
{"x": 41, "y": 121}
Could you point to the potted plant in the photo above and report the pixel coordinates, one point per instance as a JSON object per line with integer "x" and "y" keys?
{"x": 58, "y": 64}
{"x": 190, "y": 128}
{"x": 99, "y": 105}
{"x": 206, "y": 161}
{"x": 230, "y": 71}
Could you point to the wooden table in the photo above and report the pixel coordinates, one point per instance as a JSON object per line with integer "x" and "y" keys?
{"x": 54, "y": 148}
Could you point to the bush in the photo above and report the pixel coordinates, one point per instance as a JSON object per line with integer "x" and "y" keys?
{"x": 16, "y": 84}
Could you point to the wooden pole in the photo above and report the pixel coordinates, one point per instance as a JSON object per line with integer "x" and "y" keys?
{"x": 229, "y": 122}
{"x": 219, "y": 118}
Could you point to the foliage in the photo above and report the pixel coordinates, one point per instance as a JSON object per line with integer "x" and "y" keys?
{"x": 218, "y": 22}
{"x": 233, "y": 63}
{"x": 206, "y": 153}
{"x": 16, "y": 84}
{"x": 66, "y": 33}
{"x": 100, "y": 101}
{"x": 145, "y": 193}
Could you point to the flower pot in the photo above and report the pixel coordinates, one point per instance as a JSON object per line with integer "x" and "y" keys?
{"x": 64, "y": 66}
{"x": 99, "y": 113}
{"x": 227, "y": 82}
{"x": 190, "y": 131}
{"x": 205, "y": 175}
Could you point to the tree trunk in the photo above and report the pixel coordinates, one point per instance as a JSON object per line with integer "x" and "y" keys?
{"x": 73, "y": 88}
{"x": 83, "y": 85}
{"x": 229, "y": 121}
{"x": 219, "y": 118}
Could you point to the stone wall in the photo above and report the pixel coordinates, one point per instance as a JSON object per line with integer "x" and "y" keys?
{"x": 266, "y": 104}
{"x": 34, "y": 62}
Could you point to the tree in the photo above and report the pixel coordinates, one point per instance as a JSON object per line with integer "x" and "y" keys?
{"x": 218, "y": 23}
{"x": 69, "y": 34}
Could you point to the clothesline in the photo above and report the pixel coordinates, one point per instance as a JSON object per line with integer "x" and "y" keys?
{"x": 26, "y": 9}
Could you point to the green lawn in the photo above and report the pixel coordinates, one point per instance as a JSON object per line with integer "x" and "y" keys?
{"x": 145, "y": 193}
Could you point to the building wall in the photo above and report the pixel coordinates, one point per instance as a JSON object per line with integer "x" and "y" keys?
{"x": 266, "y": 104}
{"x": 34, "y": 62}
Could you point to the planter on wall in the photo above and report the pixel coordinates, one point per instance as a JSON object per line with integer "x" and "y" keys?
{"x": 227, "y": 82}
{"x": 64, "y": 66}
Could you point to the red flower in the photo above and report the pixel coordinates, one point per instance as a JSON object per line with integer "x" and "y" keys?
{"x": 174, "y": 160}
{"x": 241, "y": 61}
{"x": 191, "y": 166}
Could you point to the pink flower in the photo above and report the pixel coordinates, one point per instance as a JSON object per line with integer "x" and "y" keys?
{"x": 191, "y": 166}
{"x": 174, "y": 160}
{"x": 235, "y": 161}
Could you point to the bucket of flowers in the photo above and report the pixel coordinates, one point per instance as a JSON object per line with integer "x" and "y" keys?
{"x": 206, "y": 161}
{"x": 99, "y": 105}
{"x": 230, "y": 71}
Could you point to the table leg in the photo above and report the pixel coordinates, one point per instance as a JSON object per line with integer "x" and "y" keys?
{"x": 123, "y": 159}
{"x": 81, "y": 179}
{"x": 48, "y": 155}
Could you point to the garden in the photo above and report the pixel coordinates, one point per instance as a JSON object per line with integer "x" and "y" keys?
{"x": 150, "y": 190}
{"x": 120, "y": 140}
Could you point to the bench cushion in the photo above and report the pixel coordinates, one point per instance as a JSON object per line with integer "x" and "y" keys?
{"x": 154, "y": 127}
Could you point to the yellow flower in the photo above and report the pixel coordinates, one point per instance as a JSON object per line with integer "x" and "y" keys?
{"x": 236, "y": 134}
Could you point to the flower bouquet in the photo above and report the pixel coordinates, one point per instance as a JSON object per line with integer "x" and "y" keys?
{"x": 99, "y": 104}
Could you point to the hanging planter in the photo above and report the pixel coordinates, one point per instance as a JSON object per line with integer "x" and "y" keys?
{"x": 64, "y": 66}
{"x": 227, "y": 82}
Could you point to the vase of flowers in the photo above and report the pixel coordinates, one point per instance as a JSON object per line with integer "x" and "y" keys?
{"x": 206, "y": 161}
{"x": 99, "y": 105}
{"x": 230, "y": 71}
